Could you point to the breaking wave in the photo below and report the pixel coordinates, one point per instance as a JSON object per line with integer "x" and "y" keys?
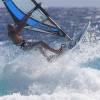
{"x": 28, "y": 76}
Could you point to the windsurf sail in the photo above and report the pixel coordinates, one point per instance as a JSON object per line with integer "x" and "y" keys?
{"x": 40, "y": 20}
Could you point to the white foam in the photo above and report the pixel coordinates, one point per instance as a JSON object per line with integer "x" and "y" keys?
{"x": 65, "y": 79}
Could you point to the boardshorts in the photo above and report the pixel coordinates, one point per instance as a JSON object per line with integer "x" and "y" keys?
{"x": 27, "y": 44}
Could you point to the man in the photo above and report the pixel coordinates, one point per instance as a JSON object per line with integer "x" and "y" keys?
{"x": 13, "y": 33}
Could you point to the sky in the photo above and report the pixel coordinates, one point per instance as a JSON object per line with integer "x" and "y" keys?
{"x": 68, "y": 3}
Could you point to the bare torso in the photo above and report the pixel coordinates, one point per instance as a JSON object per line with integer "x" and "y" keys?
{"x": 12, "y": 33}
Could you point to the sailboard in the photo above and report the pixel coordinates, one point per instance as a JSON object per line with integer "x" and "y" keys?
{"x": 39, "y": 21}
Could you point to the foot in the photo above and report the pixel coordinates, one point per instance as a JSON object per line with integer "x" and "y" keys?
{"x": 61, "y": 49}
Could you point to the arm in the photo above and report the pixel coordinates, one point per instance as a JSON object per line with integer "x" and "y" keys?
{"x": 23, "y": 22}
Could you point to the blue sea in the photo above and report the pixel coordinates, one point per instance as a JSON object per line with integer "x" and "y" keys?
{"x": 29, "y": 76}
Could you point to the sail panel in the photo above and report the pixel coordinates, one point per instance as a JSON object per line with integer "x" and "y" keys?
{"x": 26, "y": 5}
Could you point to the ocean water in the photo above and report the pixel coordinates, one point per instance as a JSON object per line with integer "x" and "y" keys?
{"x": 28, "y": 76}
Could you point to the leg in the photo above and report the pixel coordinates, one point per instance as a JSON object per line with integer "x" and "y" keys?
{"x": 45, "y": 46}
{"x": 43, "y": 52}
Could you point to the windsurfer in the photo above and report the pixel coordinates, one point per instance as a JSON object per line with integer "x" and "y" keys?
{"x": 13, "y": 33}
